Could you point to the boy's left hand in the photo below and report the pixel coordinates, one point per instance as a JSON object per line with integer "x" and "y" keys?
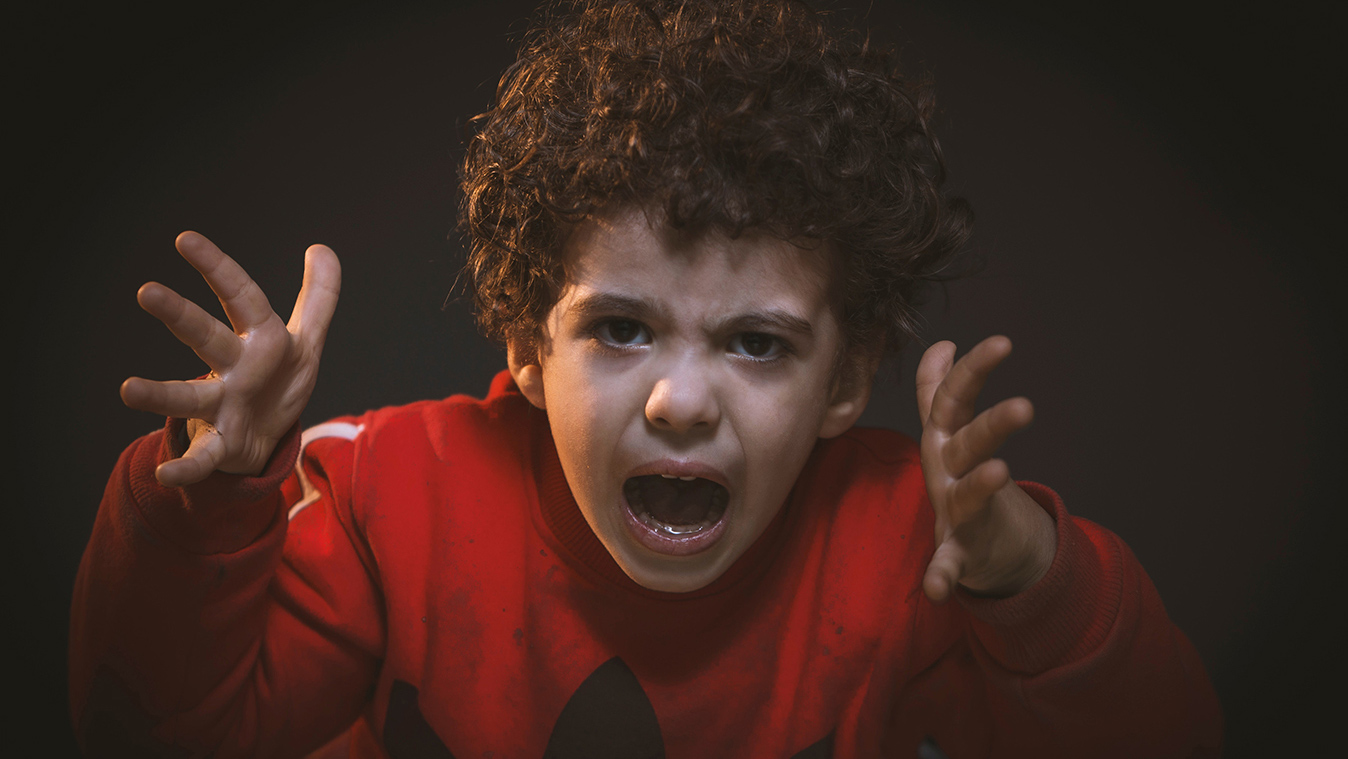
{"x": 991, "y": 537}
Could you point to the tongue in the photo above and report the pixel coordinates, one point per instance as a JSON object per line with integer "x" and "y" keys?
{"x": 674, "y": 501}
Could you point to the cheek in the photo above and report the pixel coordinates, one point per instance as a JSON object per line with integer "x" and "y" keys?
{"x": 585, "y": 407}
{"x": 795, "y": 409}
{"x": 777, "y": 428}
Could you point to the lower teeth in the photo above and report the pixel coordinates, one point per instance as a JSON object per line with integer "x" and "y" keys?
{"x": 677, "y": 530}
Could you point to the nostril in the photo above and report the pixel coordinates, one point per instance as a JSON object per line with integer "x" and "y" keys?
{"x": 681, "y": 406}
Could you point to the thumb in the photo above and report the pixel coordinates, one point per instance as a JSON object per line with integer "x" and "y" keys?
{"x": 318, "y": 295}
{"x": 944, "y": 572}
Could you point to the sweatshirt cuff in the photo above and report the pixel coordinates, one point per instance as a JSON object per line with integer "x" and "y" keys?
{"x": 223, "y": 513}
{"x": 1061, "y": 618}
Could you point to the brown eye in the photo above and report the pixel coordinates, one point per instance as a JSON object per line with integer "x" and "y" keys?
{"x": 757, "y": 345}
{"x": 623, "y": 332}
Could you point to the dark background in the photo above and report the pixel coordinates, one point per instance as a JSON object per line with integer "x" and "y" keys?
{"x": 1157, "y": 187}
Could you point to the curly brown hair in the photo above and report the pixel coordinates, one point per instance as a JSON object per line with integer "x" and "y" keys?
{"x": 719, "y": 115}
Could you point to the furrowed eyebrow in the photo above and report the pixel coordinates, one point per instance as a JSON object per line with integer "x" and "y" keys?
{"x": 644, "y": 309}
{"x": 613, "y": 303}
{"x": 766, "y": 321}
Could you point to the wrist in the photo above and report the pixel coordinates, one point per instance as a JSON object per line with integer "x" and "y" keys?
{"x": 222, "y": 513}
{"x": 1042, "y": 548}
{"x": 1059, "y": 618}
{"x": 1028, "y": 544}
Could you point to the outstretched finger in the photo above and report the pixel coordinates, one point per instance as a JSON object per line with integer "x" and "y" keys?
{"x": 978, "y": 440}
{"x": 318, "y": 295}
{"x": 931, "y": 370}
{"x": 193, "y": 399}
{"x": 202, "y": 457}
{"x": 952, "y": 404}
{"x": 215, "y": 343}
{"x": 245, "y": 303}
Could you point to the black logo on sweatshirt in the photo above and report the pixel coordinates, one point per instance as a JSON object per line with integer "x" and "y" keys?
{"x": 608, "y": 717}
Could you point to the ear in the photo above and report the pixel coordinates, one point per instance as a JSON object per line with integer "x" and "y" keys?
{"x": 851, "y": 393}
{"x": 528, "y": 374}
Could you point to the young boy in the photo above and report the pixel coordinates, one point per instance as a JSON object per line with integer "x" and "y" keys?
{"x": 697, "y": 226}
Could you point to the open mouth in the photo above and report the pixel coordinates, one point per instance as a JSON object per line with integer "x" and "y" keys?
{"x": 675, "y": 515}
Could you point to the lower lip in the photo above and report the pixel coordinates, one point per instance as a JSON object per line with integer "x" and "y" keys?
{"x": 669, "y": 545}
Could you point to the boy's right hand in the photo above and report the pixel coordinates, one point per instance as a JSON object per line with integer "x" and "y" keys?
{"x": 262, "y": 370}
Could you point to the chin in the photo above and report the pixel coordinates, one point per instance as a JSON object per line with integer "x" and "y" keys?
{"x": 669, "y": 574}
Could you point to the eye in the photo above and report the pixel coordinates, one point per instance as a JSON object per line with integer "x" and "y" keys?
{"x": 622, "y": 332}
{"x": 758, "y": 346}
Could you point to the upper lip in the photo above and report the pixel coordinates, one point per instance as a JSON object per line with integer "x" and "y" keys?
{"x": 682, "y": 469}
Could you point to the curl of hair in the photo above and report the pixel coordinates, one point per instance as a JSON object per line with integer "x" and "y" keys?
{"x": 721, "y": 115}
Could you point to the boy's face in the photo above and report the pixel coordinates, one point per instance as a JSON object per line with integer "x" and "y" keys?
{"x": 686, "y": 379}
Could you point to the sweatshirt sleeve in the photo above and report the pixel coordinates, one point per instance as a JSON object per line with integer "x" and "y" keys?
{"x": 1084, "y": 663}
{"x": 235, "y": 617}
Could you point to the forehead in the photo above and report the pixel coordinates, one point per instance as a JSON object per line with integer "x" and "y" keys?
{"x": 629, "y": 253}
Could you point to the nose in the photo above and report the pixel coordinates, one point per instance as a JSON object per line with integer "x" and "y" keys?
{"x": 683, "y": 399}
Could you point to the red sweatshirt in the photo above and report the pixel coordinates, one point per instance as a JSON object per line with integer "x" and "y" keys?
{"x": 425, "y": 573}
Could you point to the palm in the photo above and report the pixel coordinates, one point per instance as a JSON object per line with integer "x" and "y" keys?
{"x": 990, "y": 536}
{"x": 262, "y": 370}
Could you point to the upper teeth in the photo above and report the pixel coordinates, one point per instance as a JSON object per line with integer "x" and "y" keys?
{"x": 676, "y": 477}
